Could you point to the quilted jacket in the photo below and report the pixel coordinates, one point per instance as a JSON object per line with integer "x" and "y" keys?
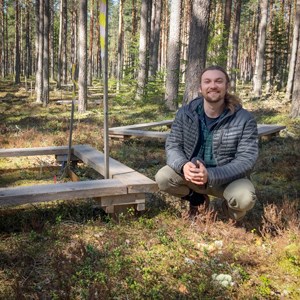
{"x": 235, "y": 143}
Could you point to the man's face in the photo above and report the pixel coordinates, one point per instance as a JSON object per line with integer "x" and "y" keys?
{"x": 213, "y": 86}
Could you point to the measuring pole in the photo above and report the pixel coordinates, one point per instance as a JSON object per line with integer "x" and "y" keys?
{"x": 104, "y": 56}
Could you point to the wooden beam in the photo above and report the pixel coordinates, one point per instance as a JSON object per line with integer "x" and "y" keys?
{"x": 135, "y": 181}
{"x": 61, "y": 191}
{"x": 144, "y": 125}
{"x": 132, "y": 130}
{"x": 264, "y": 129}
{"x": 55, "y": 150}
{"x": 122, "y": 199}
{"x": 140, "y": 133}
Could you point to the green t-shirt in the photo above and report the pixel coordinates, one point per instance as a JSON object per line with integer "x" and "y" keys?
{"x": 207, "y": 126}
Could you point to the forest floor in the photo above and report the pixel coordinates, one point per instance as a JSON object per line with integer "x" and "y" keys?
{"x": 60, "y": 250}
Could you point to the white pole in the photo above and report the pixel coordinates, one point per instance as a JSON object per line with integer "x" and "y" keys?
{"x": 105, "y": 83}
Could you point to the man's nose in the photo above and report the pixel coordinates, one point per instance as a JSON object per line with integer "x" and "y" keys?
{"x": 213, "y": 85}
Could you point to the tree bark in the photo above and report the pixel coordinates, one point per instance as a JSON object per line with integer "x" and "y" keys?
{"x": 235, "y": 44}
{"x": 3, "y": 58}
{"x": 59, "y": 59}
{"x": 64, "y": 43}
{"x": 82, "y": 56}
{"x": 28, "y": 61}
{"x": 51, "y": 39}
{"x": 142, "y": 70}
{"x": 17, "y": 44}
{"x": 155, "y": 36}
{"x": 74, "y": 33}
{"x": 90, "y": 75}
{"x": 46, "y": 54}
{"x": 173, "y": 56}
{"x": 226, "y": 30}
{"x": 295, "y": 108}
{"x": 294, "y": 54}
{"x": 197, "y": 48}
{"x": 269, "y": 52}
{"x": 185, "y": 36}
{"x": 164, "y": 36}
{"x": 260, "y": 53}
{"x": 120, "y": 44}
{"x": 133, "y": 36}
{"x": 98, "y": 68}
{"x": 39, "y": 71}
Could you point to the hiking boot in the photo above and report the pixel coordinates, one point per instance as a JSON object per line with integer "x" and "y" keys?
{"x": 198, "y": 203}
{"x": 231, "y": 214}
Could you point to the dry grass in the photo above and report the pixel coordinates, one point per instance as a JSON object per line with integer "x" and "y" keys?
{"x": 74, "y": 251}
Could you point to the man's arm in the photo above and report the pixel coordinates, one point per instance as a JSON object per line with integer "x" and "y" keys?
{"x": 176, "y": 157}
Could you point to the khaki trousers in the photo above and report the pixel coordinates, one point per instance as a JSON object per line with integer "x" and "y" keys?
{"x": 239, "y": 194}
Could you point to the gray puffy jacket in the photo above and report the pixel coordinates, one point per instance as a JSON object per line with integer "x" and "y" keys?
{"x": 235, "y": 143}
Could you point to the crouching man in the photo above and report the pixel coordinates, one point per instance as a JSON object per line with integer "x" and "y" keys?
{"x": 211, "y": 149}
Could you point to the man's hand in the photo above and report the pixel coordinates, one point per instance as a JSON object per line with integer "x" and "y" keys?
{"x": 195, "y": 173}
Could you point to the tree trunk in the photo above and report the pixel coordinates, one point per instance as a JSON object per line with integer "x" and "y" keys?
{"x": 142, "y": 70}
{"x": 39, "y": 71}
{"x": 46, "y": 54}
{"x": 173, "y": 56}
{"x": 64, "y": 43}
{"x": 155, "y": 36}
{"x": 269, "y": 52}
{"x": 74, "y": 33}
{"x": 133, "y": 36}
{"x": 260, "y": 53}
{"x": 98, "y": 68}
{"x": 90, "y": 76}
{"x": 82, "y": 56}
{"x": 120, "y": 44}
{"x": 28, "y": 61}
{"x": 59, "y": 58}
{"x": 197, "y": 48}
{"x": 164, "y": 37}
{"x": 226, "y": 30}
{"x": 17, "y": 44}
{"x": 295, "y": 51}
{"x": 235, "y": 44}
{"x": 295, "y": 108}
{"x": 3, "y": 52}
{"x": 185, "y": 36}
{"x": 51, "y": 39}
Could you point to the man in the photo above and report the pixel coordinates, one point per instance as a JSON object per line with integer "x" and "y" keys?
{"x": 211, "y": 149}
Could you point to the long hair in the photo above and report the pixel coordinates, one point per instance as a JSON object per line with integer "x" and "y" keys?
{"x": 231, "y": 101}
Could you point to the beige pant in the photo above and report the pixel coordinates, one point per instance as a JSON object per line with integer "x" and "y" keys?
{"x": 239, "y": 194}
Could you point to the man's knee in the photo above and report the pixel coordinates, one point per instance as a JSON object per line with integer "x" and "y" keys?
{"x": 240, "y": 195}
{"x": 162, "y": 179}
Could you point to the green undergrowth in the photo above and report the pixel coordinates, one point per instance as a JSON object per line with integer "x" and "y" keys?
{"x": 73, "y": 250}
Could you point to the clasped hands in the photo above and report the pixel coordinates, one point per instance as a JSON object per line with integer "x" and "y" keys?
{"x": 195, "y": 173}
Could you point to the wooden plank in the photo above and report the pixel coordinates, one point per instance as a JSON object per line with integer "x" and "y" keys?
{"x": 263, "y": 130}
{"x": 141, "y": 133}
{"x": 76, "y": 101}
{"x": 122, "y": 199}
{"x": 135, "y": 181}
{"x": 61, "y": 191}
{"x": 64, "y": 158}
{"x": 56, "y": 150}
{"x": 144, "y": 125}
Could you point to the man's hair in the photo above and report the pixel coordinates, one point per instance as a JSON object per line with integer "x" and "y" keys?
{"x": 231, "y": 101}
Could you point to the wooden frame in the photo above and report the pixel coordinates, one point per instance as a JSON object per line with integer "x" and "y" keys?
{"x": 123, "y": 132}
{"x": 125, "y": 186}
